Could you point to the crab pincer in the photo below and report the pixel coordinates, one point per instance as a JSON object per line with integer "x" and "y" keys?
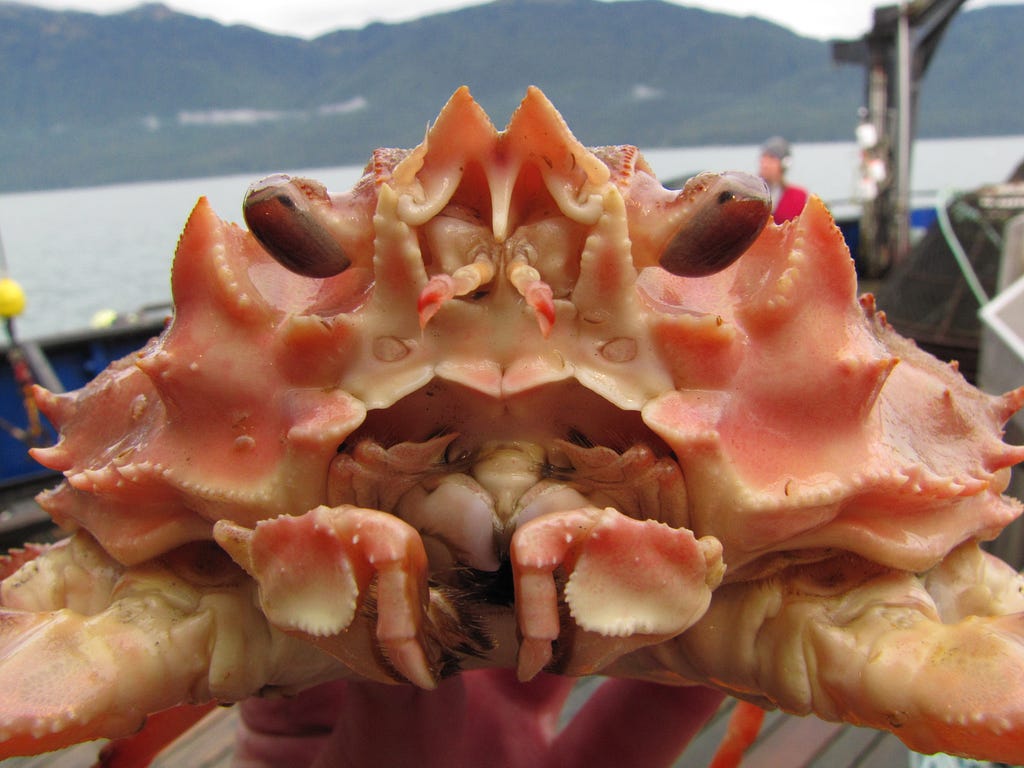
{"x": 315, "y": 572}
{"x": 627, "y": 584}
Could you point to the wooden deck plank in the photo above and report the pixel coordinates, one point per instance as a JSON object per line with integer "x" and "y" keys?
{"x": 849, "y": 747}
{"x": 582, "y": 691}
{"x": 209, "y": 744}
{"x": 700, "y": 751}
{"x": 887, "y": 752}
{"x": 77, "y": 756}
{"x": 794, "y": 743}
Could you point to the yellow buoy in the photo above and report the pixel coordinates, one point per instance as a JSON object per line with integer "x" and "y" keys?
{"x": 12, "y": 298}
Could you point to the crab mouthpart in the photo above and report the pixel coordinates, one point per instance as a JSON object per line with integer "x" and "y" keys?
{"x": 469, "y": 470}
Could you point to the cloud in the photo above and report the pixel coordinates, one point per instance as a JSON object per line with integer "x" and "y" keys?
{"x": 233, "y": 116}
{"x": 642, "y": 92}
{"x": 247, "y": 116}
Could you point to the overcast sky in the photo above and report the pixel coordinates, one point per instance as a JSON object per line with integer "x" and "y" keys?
{"x": 309, "y": 18}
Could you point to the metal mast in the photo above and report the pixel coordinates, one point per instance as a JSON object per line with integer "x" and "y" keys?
{"x": 895, "y": 54}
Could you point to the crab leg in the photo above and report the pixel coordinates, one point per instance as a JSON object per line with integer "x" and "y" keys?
{"x": 630, "y": 583}
{"x": 63, "y": 663}
{"x": 744, "y": 725}
{"x": 942, "y": 671}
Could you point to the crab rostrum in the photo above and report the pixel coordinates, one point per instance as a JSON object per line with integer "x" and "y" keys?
{"x": 510, "y": 402}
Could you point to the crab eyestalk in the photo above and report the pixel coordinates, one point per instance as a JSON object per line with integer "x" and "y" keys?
{"x": 729, "y": 212}
{"x": 282, "y": 213}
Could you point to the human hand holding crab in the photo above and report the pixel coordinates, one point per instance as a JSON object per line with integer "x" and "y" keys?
{"x": 480, "y": 718}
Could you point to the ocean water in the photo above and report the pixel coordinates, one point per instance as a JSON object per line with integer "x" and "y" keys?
{"x": 78, "y": 252}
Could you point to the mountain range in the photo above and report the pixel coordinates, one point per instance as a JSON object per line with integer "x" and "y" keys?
{"x": 151, "y": 93}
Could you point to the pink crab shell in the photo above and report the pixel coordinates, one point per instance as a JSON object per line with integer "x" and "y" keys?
{"x": 791, "y": 474}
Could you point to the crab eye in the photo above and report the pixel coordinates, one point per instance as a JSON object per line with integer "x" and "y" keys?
{"x": 728, "y": 213}
{"x": 281, "y": 213}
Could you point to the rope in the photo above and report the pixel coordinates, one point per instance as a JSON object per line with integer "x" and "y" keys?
{"x": 12, "y": 302}
{"x": 26, "y": 380}
{"x": 946, "y": 227}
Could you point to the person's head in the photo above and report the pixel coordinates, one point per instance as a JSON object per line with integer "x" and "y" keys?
{"x": 774, "y": 160}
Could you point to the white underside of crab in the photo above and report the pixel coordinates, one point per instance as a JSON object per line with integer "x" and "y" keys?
{"x": 509, "y": 402}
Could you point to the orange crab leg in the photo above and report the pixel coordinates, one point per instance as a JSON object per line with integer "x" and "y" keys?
{"x": 744, "y": 725}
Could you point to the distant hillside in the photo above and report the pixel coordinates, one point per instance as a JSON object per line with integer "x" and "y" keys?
{"x": 152, "y": 93}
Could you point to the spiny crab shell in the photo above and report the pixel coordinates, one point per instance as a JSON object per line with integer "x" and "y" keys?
{"x": 510, "y": 402}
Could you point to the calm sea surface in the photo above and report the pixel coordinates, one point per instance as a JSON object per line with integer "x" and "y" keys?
{"x": 77, "y": 252}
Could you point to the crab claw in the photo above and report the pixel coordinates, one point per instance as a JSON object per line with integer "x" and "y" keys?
{"x": 73, "y": 621}
{"x": 939, "y": 665}
{"x": 60, "y": 667}
{"x": 315, "y": 572}
{"x": 629, "y": 583}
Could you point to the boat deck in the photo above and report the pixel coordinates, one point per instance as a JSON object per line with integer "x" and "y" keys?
{"x": 784, "y": 742}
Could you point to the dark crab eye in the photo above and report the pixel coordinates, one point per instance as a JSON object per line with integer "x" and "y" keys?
{"x": 729, "y": 211}
{"x": 280, "y": 214}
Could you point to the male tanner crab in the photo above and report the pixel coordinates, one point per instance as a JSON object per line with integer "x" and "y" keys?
{"x": 509, "y": 402}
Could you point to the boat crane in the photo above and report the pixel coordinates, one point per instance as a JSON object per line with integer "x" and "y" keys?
{"x": 896, "y": 54}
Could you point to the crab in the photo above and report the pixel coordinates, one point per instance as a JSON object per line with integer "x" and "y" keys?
{"x": 511, "y": 403}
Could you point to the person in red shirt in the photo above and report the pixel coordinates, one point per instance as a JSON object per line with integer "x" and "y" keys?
{"x": 787, "y": 200}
